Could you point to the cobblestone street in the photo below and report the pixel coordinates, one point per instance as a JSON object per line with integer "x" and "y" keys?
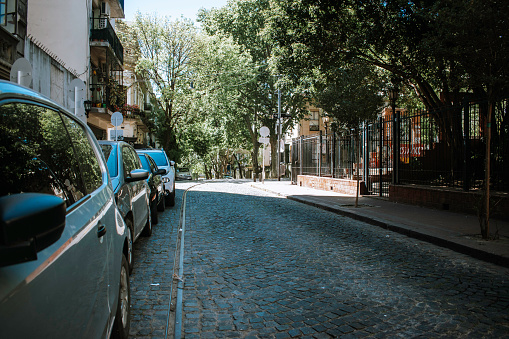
{"x": 260, "y": 266}
{"x": 152, "y": 277}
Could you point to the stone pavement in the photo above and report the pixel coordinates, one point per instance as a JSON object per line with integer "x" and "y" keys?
{"x": 456, "y": 231}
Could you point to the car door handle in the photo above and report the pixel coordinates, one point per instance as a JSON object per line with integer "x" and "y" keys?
{"x": 101, "y": 229}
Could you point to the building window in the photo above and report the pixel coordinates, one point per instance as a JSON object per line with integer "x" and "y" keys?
{"x": 3, "y": 12}
{"x": 314, "y": 122}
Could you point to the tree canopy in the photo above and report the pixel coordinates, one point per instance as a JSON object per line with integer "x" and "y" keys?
{"x": 436, "y": 46}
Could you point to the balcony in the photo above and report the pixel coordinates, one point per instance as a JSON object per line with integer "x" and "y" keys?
{"x": 117, "y": 8}
{"x": 102, "y": 32}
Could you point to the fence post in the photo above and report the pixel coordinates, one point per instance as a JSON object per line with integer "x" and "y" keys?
{"x": 320, "y": 155}
{"x": 395, "y": 146}
{"x": 365, "y": 152}
{"x": 332, "y": 154}
{"x": 301, "y": 152}
{"x": 333, "y": 170}
{"x": 380, "y": 153}
{"x": 466, "y": 143}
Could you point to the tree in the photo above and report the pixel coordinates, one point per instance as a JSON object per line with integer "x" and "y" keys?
{"x": 350, "y": 95}
{"x": 164, "y": 50}
{"x": 221, "y": 70}
{"x": 440, "y": 48}
{"x": 244, "y": 22}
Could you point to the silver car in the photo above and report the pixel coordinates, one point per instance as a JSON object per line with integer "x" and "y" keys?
{"x": 63, "y": 243}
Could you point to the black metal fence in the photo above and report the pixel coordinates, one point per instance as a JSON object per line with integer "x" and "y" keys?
{"x": 444, "y": 148}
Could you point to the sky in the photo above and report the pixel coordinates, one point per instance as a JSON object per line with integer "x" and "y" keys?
{"x": 173, "y": 8}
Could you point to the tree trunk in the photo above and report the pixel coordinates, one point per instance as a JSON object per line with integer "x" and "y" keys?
{"x": 273, "y": 156}
{"x": 254, "y": 157}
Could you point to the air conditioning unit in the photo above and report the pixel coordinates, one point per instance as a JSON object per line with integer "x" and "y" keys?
{"x": 103, "y": 23}
{"x": 105, "y": 9}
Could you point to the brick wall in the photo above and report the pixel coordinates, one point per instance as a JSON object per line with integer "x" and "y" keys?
{"x": 448, "y": 199}
{"x": 344, "y": 186}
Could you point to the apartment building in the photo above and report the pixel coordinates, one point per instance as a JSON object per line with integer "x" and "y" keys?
{"x": 67, "y": 40}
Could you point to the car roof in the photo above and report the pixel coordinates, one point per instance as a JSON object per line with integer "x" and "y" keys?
{"x": 148, "y": 150}
{"x": 112, "y": 142}
{"x": 10, "y": 90}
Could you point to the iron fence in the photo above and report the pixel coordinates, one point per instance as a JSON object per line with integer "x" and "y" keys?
{"x": 445, "y": 148}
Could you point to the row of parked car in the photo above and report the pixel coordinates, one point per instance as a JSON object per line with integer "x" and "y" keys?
{"x": 70, "y": 209}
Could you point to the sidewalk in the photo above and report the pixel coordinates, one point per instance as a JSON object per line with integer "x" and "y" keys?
{"x": 459, "y": 232}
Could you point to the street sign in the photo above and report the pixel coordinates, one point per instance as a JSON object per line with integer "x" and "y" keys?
{"x": 264, "y": 131}
{"x": 263, "y": 140}
{"x": 117, "y": 134}
{"x": 283, "y": 115}
{"x": 21, "y": 72}
{"x": 116, "y": 119}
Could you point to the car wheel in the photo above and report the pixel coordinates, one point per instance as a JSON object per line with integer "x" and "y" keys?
{"x": 161, "y": 206}
{"x": 130, "y": 239}
{"x": 155, "y": 216}
{"x": 147, "y": 231}
{"x": 123, "y": 315}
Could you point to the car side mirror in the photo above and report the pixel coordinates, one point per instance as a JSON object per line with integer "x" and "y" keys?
{"x": 172, "y": 163}
{"x": 137, "y": 175}
{"x": 29, "y": 222}
{"x": 161, "y": 171}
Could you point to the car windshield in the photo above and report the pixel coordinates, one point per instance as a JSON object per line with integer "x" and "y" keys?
{"x": 183, "y": 169}
{"x": 110, "y": 153}
{"x": 159, "y": 158}
{"x": 144, "y": 162}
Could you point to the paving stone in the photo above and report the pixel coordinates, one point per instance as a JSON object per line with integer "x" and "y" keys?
{"x": 259, "y": 266}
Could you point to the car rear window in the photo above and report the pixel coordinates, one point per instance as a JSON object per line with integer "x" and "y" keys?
{"x": 159, "y": 158}
{"x": 110, "y": 153}
{"x": 144, "y": 162}
{"x": 184, "y": 169}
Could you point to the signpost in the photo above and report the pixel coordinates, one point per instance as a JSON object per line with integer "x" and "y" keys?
{"x": 116, "y": 120}
{"x": 264, "y": 139}
{"x": 78, "y": 86}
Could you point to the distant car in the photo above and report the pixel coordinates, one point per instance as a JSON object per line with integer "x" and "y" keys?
{"x": 131, "y": 190}
{"x": 184, "y": 173}
{"x": 155, "y": 182}
{"x": 162, "y": 161}
{"x": 63, "y": 245}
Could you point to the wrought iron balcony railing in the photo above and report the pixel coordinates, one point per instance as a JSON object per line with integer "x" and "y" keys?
{"x": 103, "y": 31}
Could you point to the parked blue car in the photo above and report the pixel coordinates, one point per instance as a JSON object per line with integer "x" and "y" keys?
{"x": 63, "y": 243}
{"x": 132, "y": 193}
{"x": 155, "y": 182}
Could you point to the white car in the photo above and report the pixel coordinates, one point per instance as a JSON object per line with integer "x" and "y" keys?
{"x": 184, "y": 173}
{"x": 162, "y": 161}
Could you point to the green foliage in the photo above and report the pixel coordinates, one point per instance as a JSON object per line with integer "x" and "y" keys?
{"x": 350, "y": 95}
{"x": 437, "y": 46}
{"x": 163, "y": 53}
{"x": 243, "y": 23}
